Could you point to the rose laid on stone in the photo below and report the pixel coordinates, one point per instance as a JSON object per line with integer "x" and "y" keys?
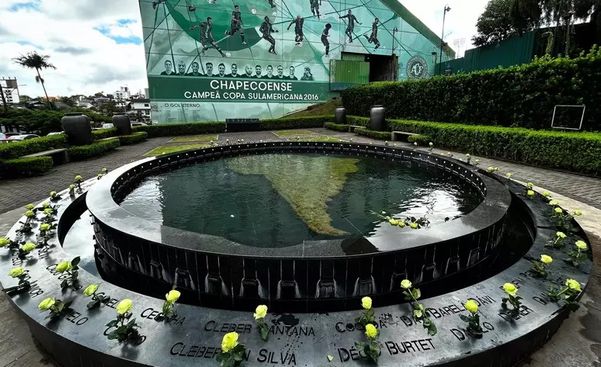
{"x": 573, "y": 285}
{"x": 510, "y": 289}
{"x": 46, "y": 304}
{"x": 64, "y": 266}
{"x": 124, "y": 306}
{"x": 172, "y": 296}
{"x": 546, "y": 259}
{"x": 260, "y": 312}
{"x": 28, "y": 247}
{"x": 371, "y": 332}
{"x": 581, "y": 245}
{"x": 229, "y": 342}
{"x": 16, "y": 272}
{"x": 366, "y": 303}
{"x": 471, "y": 305}
{"x": 90, "y": 290}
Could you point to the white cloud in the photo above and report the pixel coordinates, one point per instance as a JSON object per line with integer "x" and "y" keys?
{"x": 88, "y": 61}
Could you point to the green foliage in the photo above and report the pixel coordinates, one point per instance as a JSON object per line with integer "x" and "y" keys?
{"x": 295, "y": 123}
{"x": 496, "y": 23}
{"x": 379, "y": 135}
{"x": 135, "y": 138}
{"x": 574, "y": 151}
{"x": 421, "y": 140}
{"x": 95, "y": 149}
{"x": 337, "y": 127}
{"x": 518, "y": 96}
{"x": 182, "y": 129}
{"x": 357, "y": 121}
{"x": 104, "y": 133}
{"x": 31, "y": 146}
{"x": 43, "y": 121}
{"x": 34, "y": 166}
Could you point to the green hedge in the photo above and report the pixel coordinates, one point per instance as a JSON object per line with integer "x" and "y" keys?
{"x": 295, "y": 123}
{"x": 574, "y": 151}
{"x": 379, "y": 135}
{"x": 337, "y": 127}
{"x": 33, "y": 166}
{"x": 95, "y": 149}
{"x": 182, "y": 129}
{"x": 104, "y": 133}
{"x": 522, "y": 96}
{"x": 421, "y": 140}
{"x": 135, "y": 138}
{"x": 357, "y": 121}
{"x": 43, "y": 121}
{"x": 31, "y": 146}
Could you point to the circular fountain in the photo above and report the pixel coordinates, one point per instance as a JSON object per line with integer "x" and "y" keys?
{"x": 150, "y": 226}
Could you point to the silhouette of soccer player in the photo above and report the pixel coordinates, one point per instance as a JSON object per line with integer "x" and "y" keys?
{"x": 324, "y": 38}
{"x": 298, "y": 29}
{"x": 315, "y": 7}
{"x": 206, "y": 36}
{"x": 236, "y": 24}
{"x": 373, "y": 38}
{"x": 351, "y": 24}
{"x": 266, "y": 30}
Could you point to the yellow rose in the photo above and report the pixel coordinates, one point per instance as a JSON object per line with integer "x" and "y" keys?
{"x": 48, "y": 211}
{"x": 582, "y": 246}
{"x": 371, "y": 332}
{"x": 29, "y": 206}
{"x": 46, "y": 304}
{"x": 124, "y": 306}
{"x": 45, "y": 205}
{"x": 530, "y": 185}
{"x": 471, "y": 306}
{"x": 413, "y": 225}
{"x": 260, "y": 312}
{"x": 366, "y": 303}
{"x": 546, "y": 259}
{"x": 510, "y": 289}
{"x": 560, "y": 235}
{"x": 573, "y": 285}
{"x": 530, "y": 193}
{"x": 554, "y": 203}
{"x": 508, "y": 174}
{"x": 29, "y": 214}
{"x": 64, "y": 266}
{"x": 394, "y": 222}
{"x": 576, "y": 213}
{"x": 406, "y": 284}
{"x": 44, "y": 227}
{"x": 558, "y": 210}
{"x": 172, "y": 296}
{"x": 78, "y": 178}
{"x": 16, "y": 272}
{"x": 90, "y": 290}
{"x": 53, "y": 194}
{"x": 229, "y": 342}
{"x": 28, "y": 247}
{"x": 547, "y": 194}
{"x": 401, "y": 223}
{"x": 4, "y": 241}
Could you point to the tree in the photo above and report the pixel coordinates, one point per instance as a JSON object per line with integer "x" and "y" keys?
{"x": 495, "y": 24}
{"x": 33, "y": 60}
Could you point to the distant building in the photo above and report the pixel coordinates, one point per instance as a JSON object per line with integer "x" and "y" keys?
{"x": 139, "y": 109}
{"x": 10, "y": 90}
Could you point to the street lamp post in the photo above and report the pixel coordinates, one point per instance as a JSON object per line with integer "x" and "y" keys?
{"x": 447, "y": 8}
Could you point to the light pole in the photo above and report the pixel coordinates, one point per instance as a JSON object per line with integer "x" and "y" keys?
{"x": 447, "y": 9}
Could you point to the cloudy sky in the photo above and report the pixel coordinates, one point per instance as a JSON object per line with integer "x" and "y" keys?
{"x": 96, "y": 45}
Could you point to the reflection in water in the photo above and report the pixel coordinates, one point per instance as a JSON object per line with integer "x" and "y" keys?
{"x": 278, "y": 200}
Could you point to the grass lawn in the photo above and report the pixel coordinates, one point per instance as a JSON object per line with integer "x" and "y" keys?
{"x": 327, "y": 108}
{"x": 288, "y": 133}
{"x": 168, "y": 149}
{"x": 194, "y": 138}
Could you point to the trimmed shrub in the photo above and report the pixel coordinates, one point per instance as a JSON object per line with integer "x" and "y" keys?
{"x": 104, "y": 133}
{"x": 33, "y": 166}
{"x": 421, "y": 140}
{"x": 135, "y": 138}
{"x": 295, "y": 123}
{"x": 337, "y": 127}
{"x": 95, "y": 149}
{"x": 198, "y": 128}
{"x": 379, "y": 135}
{"x": 31, "y": 146}
{"x": 358, "y": 121}
{"x": 522, "y": 95}
{"x": 574, "y": 151}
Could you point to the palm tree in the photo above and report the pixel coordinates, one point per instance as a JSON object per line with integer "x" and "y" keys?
{"x": 33, "y": 60}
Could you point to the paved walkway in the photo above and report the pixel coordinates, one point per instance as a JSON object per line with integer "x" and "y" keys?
{"x": 577, "y": 343}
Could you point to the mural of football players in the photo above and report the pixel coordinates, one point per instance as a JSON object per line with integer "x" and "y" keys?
{"x": 291, "y": 73}
{"x": 307, "y": 74}
{"x": 298, "y": 29}
{"x": 266, "y": 30}
{"x": 248, "y": 71}
{"x": 195, "y": 67}
{"x": 181, "y": 68}
{"x": 280, "y": 74}
{"x": 350, "y": 27}
{"x": 209, "y": 68}
{"x": 373, "y": 38}
{"x": 324, "y": 38}
{"x": 168, "y": 68}
{"x": 258, "y": 71}
{"x": 269, "y": 74}
{"x": 234, "y": 73}
{"x": 315, "y": 7}
{"x": 236, "y": 25}
{"x": 271, "y": 3}
{"x": 221, "y": 70}
{"x": 206, "y": 36}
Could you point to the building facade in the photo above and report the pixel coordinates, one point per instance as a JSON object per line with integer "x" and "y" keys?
{"x": 213, "y": 60}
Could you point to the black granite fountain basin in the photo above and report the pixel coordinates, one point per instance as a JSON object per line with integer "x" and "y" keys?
{"x": 299, "y": 339}
{"x": 322, "y": 275}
